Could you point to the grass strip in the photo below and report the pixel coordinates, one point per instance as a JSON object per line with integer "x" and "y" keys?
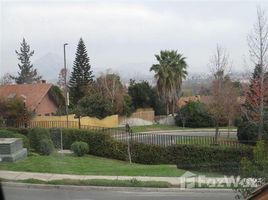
{"x": 101, "y": 182}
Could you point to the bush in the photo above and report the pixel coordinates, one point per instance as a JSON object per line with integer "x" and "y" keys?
{"x": 247, "y": 133}
{"x": 46, "y": 147}
{"x": 11, "y": 134}
{"x": 194, "y": 115}
{"x": 80, "y": 148}
{"x": 35, "y": 136}
{"x": 101, "y": 144}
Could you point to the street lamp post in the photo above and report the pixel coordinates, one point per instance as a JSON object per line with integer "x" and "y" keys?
{"x": 65, "y": 85}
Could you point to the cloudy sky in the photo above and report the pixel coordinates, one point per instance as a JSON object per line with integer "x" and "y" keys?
{"x": 125, "y": 35}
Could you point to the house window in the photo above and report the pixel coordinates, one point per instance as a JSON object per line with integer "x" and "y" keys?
{"x": 47, "y": 114}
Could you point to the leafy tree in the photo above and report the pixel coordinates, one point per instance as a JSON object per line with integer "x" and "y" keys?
{"x": 141, "y": 94}
{"x": 81, "y": 75}
{"x": 27, "y": 73}
{"x": 144, "y": 96}
{"x": 194, "y": 115}
{"x": 128, "y": 109}
{"x": 12, "y": 110}
{"x": 94, "y": 105}
{"x": 105, "y": 96}
{"x": 169, "y": 73}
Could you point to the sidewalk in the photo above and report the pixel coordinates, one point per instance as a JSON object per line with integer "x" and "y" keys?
{"x": 13, "y": 175}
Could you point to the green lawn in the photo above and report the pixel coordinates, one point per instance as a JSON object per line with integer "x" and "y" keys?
{"x": 210, "y": 142}
{"x": 160, "y": 127}
{"x": 101, "y": 182}
{"x": 91, "y": 165}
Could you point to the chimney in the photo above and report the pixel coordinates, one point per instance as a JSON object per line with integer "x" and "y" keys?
{"x": 43, "y": 81}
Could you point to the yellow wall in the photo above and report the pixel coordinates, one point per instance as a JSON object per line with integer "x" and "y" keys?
{"x": 141, "y": 113}
{"x": 54, "y": 121}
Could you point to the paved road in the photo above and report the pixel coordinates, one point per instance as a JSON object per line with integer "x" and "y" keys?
{"x": 223, "y": 133}
{"x": 14, "y": 193}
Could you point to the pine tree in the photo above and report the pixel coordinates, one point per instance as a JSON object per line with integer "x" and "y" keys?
{"x": 81, "y": 75}
{"x": 27, "y": 73}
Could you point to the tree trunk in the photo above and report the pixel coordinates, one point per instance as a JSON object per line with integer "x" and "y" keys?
{"x": 128, "y": 146}
{"x": 173, "y": 108}
{"x": 229, "y": 124}
{"x": 167, "y": 109}
{"x": 217, "y": 132}
{"x": 79, "y": 122}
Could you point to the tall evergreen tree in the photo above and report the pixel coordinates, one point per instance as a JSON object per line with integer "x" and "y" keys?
{"x": 27, "y": 73}
{"x": 81, "y": 75}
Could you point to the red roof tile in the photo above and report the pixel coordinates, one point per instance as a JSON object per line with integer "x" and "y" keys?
{"x": 34, "y": 93}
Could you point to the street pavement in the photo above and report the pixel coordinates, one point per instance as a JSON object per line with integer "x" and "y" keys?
{"x": 28, "y": 193}
{"x": 13, "y": 175}
{"x": 197, "y": 132}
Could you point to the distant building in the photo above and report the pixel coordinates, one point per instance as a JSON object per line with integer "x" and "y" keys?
{"x": 203, "y": 99}
{"x": 38, "y": 97}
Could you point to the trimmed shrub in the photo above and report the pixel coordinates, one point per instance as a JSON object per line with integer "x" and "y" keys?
{"x": 80, "y": 148}
{"x": 46, "y": 147}
{"x": 36, "y": 135}
{"x": 11, "y": 134}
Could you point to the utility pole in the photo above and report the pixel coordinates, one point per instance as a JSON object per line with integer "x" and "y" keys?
{"x": 65, "y": 85}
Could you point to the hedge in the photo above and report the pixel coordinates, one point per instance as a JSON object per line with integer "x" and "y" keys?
{"x": 12, "y": 134}
{"x": 36, "y": 135}
{"x": 205, "y": 158}
{"x": 189, "y": 157}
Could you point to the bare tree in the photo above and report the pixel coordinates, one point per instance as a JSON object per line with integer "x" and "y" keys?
{"x": 6, "y": 79}
{"x": 219, "y": 64}
{"x": 231, "y": 102}
{"x": 112, "y": 88}
{"x": 258, "y": 49}
{"x": 61, "y": 78}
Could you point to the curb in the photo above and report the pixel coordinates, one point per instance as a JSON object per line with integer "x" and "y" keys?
{"x": 102, "y": 188}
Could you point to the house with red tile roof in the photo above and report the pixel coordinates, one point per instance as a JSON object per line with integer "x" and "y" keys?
{"x": 38, "y": 97}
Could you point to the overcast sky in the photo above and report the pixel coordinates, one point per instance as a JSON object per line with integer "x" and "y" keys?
{"x": 125, "y": 35}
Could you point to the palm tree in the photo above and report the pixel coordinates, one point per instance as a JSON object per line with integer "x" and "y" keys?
{"x": 169, "y": 73}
